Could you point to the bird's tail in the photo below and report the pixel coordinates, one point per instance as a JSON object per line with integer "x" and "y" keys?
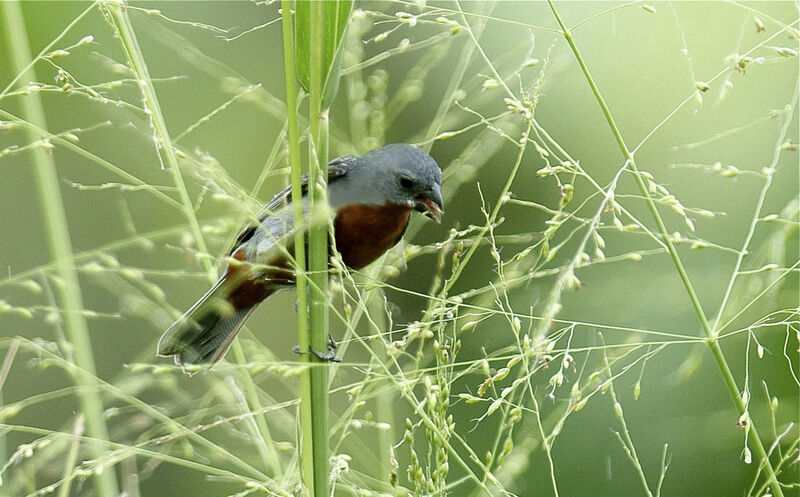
{"x": 205, "y": 332}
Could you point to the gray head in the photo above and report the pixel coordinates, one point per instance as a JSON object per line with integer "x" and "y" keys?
{"x": 398, "y": 173}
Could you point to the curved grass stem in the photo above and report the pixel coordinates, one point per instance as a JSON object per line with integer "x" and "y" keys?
{"x": 117, "y": 13}
{"x": 712, "y": 338}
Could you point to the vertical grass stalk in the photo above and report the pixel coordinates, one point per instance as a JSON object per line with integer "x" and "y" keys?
{"x": 293, "y": 136}
{"x": 68, "y": 294}
{"x": 712, "y": 338}
{"x": 314, "y": 387}
{"x": 317, "y": 402}
{"x": 385, "y": 399}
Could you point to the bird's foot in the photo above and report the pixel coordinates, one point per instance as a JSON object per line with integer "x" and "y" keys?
{"x": 329, "y": 356}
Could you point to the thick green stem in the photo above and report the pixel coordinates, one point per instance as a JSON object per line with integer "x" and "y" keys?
{"x": 314, "y": 382}
{"x": 712, "y": 338}
{"x": 59, "y": 243}
{"x": 318, "y": 169}
{"x": 317, "y": 402}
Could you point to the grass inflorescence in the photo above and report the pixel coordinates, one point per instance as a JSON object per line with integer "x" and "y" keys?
{"x": 614, "y": 284}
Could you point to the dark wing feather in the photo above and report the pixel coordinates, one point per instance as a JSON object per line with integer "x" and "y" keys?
{"x": 337, "y": 168}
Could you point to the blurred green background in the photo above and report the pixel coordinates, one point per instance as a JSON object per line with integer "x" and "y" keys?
{"x": 649, "y": 61}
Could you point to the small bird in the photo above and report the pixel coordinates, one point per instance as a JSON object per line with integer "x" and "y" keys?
{"x": 371, "y": 197}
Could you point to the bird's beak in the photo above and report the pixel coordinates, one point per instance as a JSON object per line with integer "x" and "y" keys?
{"x": 430, "y": 204}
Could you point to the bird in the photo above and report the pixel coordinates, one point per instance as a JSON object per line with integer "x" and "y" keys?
{"x": 371, "y": 198}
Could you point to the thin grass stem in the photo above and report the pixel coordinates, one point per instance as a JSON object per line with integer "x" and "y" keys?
{"x": 711, "y": 335}
{"x": 72, "y": 456}
{"x": 175, "y": 428}
{"x": 264, "y": 442}
{"x": 164, "y": 145}
{"x": 59, "y": 243}
{"x": 166, "y": 152}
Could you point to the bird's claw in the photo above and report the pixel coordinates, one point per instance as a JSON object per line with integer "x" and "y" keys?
{"x": 329, "y": 356}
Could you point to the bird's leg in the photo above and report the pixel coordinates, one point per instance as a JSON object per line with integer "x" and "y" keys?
{"x": 329, "y": 356}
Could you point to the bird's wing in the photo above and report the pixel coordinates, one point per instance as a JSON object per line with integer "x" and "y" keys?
{"x": 337, "y": 168}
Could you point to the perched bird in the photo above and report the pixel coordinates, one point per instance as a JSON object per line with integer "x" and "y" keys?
{"x": 371, "y": 197}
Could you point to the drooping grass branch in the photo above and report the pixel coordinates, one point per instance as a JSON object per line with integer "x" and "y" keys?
{"x": 712, "y": 338}
{"x": 60, "y": 245}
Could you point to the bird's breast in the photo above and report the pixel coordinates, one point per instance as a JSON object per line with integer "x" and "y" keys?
{"x": 364, "y": 232}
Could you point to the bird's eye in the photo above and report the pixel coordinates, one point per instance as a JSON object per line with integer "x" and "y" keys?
{"x": 407, "y": 183}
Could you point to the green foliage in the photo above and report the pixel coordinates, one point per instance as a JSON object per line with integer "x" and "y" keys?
{"x": 613, "y": 287}
{"x": 335, "y": 15}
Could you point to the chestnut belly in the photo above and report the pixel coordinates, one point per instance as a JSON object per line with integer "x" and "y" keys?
{"x": 364, "y": 232}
